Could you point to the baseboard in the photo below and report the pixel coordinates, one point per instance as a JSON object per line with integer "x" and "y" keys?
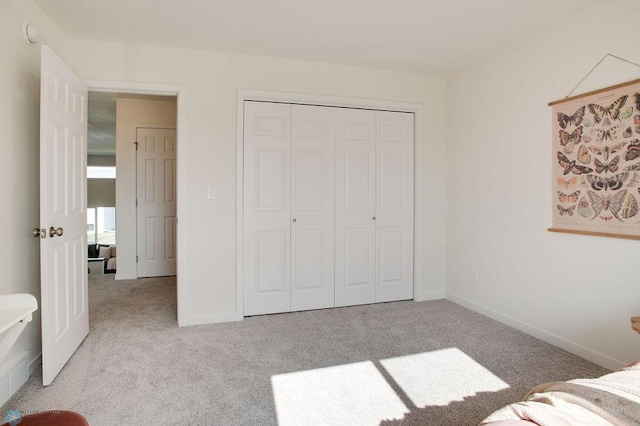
{"x": 35, "y": 364}
{"x": 207, "y": 319}
{"x": 431, "y": 295}
{"x": 574, "y": 348}
{"x": 122, "y": 276}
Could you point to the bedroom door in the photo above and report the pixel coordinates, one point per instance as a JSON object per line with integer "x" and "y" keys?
{"x": 63, "y": 215}
{"x": 156, "y": 202}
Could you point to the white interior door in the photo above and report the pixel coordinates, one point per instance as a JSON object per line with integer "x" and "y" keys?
{"x": 63, "y": 255}
{"x": 267, "y": 208}
{"x": 394, "y": 211}
{"x": 156, "y": 201}
{"x": 312, "y": 207}
{"x": 355, "y": 207}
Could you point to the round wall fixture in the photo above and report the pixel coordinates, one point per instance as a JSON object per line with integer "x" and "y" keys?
{"x": 32, "y": 33}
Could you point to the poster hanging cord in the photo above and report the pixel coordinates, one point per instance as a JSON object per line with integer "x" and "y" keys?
{"x": 596, "y": 66}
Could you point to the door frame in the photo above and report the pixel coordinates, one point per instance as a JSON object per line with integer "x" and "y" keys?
{"x": 331, "y": 101}
{"x": 181, "y": 168}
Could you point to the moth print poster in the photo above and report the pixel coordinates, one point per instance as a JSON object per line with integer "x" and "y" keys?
{"x": 596, "y": 162}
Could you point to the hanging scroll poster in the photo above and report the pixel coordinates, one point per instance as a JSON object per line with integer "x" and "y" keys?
{"x": 596, "y": 162}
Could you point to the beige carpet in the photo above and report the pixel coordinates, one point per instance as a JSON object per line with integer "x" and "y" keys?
{"x": 431, "y": 363}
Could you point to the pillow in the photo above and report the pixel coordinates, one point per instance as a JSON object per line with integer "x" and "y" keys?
{"x": 113, "y": 251}
{"x": 105, "y": 251}
{"x": 93, "y": 251}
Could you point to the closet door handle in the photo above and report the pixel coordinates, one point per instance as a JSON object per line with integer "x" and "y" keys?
{"x": 373, "y": 218}
{"x": 293, "y": 220}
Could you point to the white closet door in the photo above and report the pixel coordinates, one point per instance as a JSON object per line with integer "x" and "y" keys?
{"x": 267, "y": 163}
{"x": 355, "y": 207}
{"x": 394, "y": 212}
{"x": 312, "y": 207}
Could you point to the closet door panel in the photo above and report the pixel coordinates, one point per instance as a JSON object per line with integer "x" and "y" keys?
{"x": 267, "y": 164}
{"x": 355, "y": 207}
{"x": 312, "y": 207}
{"x": 394, "y": 210}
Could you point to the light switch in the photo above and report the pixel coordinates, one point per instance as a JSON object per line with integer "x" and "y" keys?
{"x": 211, "y": 192}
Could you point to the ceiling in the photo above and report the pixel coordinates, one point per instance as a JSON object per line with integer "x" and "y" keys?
{"x": 101, "y": 123}
{"x": 424, "y": 36}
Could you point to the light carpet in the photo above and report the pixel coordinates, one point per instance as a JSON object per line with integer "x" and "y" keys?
{"x": 428, "y": 363}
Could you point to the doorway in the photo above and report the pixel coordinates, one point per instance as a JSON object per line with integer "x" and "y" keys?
{"x": 118, "y": 133}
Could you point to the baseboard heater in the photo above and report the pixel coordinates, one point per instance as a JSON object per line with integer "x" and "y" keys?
{"x": 13, "y": 375}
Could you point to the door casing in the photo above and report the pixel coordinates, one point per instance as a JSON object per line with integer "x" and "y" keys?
{"x": 180, "y": 93}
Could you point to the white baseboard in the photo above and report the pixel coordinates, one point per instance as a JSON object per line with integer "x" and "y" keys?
{"x": 207, "y": 319}
{"x": 432, "y": 295}
{"x": 574, "y": 348}
{"x": 123, "y": 276}
{"x": 35, "y": 363}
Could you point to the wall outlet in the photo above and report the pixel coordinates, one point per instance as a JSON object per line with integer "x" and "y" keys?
{"x": 474, "y": 276}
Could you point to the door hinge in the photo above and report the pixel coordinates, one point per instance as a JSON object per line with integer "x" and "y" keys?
{"x": 136, "y": 202}
{"x": 136, "y": 258}
{"x": 136, "y": 144}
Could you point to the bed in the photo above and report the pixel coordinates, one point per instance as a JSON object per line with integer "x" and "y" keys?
{"x": 612, "y": 399}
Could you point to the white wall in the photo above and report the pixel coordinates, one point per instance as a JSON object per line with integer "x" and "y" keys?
{"x": 575, "y": 291}
{"x": 210, "y": 82}
{"x": 132, "y": 112}
{"x": 19, "y": 144}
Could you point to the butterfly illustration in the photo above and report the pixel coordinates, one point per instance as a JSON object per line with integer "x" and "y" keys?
{"x": 583, "y": 208}
{"x": 627, "y": 133}
{"x": 626, "y": 114}
{"x": 612, "y": 110}
{"x": 613, "y": 203}
{"x": 564, "y": 211}
{"x": 571, "y": 166}
{"x": 613, "y": 183}
{"x": 583, "y": 155}
{"x": 568, "y": 198}
{"x": 630, "y": 208}
{"x": 574, "y": 119}
{"x": 633, "y": 168}
{"x": 603, "y": 135}
{"x": 637, "y": 95}
{"x": 635, "y": 180}
{"x": 636, "y": 122}
{"x": 567, "y": 183}
{"x": 606, "y": 218}
{"x": 605, "y": 150}
{"x": 610, "y": 167}
{"x": 633, "y": 151}
{"x": 570, "y": 140}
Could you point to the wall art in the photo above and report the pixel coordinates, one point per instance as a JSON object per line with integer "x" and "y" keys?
{"x": 596, "y": 162}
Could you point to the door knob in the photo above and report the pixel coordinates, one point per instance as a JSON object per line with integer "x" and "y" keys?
{"x": 39, "y": 233}
{"x": 294, "y": 220}
{"x": 373, "y": 218}
{"x": 55, "y": 231}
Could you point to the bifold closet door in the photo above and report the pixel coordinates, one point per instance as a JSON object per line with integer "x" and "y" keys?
{"x": 267, "y": 201}
{"x": 312, "y": 207}
{"x": 394, "y": 206}
{"x": 355, "y": 207}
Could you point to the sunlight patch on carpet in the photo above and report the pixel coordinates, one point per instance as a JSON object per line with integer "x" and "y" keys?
{"x": 440, "y": 377}
{"x": 354, "y": 394}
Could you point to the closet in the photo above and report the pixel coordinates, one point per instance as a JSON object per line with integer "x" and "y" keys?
{"x": 328, "y": 207}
